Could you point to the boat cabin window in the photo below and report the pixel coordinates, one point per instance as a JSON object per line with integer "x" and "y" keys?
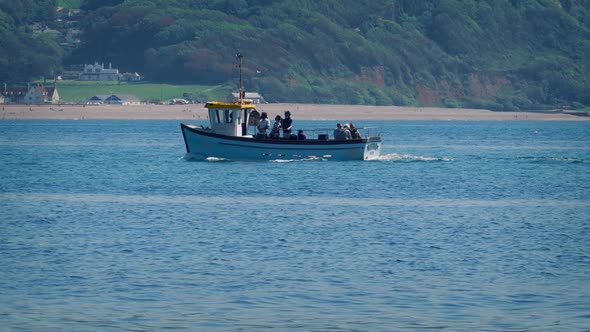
{"x": 217, "y": 118}
{"x": 227, "y": 115}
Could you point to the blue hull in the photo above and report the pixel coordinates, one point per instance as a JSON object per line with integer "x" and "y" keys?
{"x": 201, "y": 143}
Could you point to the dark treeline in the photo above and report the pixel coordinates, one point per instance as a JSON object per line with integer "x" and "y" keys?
{"x": 496, "y": 54}
{"x": 24, "y": 54}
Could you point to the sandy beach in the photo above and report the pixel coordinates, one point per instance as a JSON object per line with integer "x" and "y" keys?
{"x": 299, "y": 111}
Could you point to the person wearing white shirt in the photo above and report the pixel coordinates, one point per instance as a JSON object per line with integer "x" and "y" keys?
{"x": 263, "y": 125}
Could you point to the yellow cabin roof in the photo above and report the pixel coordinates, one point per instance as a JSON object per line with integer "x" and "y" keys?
{"x": 219, "y": 104}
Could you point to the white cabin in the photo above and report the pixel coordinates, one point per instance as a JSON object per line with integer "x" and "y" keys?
{"x": 231, "y": 119}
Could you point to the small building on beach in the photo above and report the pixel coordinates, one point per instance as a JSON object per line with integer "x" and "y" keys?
{"x": 31, "y": 94}
{"x": 38, "y": 94}
{"x": 14, "y": 95}
{"x": 113, "y": 99}
{"x": 254, "y": 96}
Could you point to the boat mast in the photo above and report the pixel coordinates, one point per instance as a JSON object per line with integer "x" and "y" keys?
{"x": 242, "y": 94}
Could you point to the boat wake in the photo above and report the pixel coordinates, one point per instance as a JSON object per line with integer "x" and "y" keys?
{"x": 387, "y": 157}
{"x": 196, "y": 157}
{"x": 410, "y": 158}
{"x": 553, "y": 159}
{"x": 296, "y": 160}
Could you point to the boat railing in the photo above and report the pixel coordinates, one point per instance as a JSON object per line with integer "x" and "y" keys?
{"x": 369, "y": 132}
{"x": 328, "y": 133}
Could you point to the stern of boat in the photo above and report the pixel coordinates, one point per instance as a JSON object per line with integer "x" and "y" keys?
{"x": 372, "y": 149}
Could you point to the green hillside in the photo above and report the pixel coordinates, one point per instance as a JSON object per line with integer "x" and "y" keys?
{"x": 77, "y": 92}
{"x": 496, "y": 54}
{"x": 69, "y": 3}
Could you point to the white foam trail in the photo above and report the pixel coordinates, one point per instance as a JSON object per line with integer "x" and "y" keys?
{"x": 296, "y": 160}
{"x": 200, "y": 157}
{"x": 409, "y": 157}
{"x": 216, "y": 159}
{"x": 283, "y": 160}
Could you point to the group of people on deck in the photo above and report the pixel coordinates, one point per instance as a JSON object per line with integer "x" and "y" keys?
{"x": 281, "y": 124}
{"x": 346, "y": 132}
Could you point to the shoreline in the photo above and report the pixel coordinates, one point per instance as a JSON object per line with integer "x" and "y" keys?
{"x": 299, "y": 112}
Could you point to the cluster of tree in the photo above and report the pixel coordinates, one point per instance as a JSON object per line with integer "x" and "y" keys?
{"x": 498, "y": 54}
{"x": 24, "y": 54}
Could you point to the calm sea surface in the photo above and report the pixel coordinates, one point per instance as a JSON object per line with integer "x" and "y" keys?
{"x": 461, "y": 226}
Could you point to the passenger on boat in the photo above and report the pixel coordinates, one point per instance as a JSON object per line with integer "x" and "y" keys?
{"x": 301, "y": 135}
{"x": 287, "y": 124}
{"x": 341, "y": 134}
{"x": 263, "y": 125}
{"x": 276, "y": 128}
{"x": 347, "y": 131}
{"x": 354, "y": 133}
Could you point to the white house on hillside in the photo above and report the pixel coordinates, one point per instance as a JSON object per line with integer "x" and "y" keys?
{"x": 97, "y": 72}
{"x": 130, "y": 77}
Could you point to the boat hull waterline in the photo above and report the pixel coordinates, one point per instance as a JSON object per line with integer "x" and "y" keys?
{"x": 201, "y": 143}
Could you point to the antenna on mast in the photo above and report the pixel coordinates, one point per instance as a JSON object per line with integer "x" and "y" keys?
{"x": 242, "y": 92}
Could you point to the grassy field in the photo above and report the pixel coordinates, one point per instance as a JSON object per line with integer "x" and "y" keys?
{"x": 69, "y": 3}
{"x": 81, "y": 91}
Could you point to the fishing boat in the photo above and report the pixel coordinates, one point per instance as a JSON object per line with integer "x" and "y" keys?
{"x": 231, "y": 135}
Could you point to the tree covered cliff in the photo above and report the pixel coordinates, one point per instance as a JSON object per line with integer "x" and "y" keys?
{"x": 24, "y": 54}
{"x": 497, "y": 54}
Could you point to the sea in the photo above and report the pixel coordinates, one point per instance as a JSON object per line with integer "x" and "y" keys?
{"x": 458, "y": 226}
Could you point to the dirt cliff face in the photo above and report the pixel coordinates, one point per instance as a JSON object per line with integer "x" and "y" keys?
{"x": 427, "y": 95}
{"x": 478, "y": 86}
{"x": 482, "y": 86}
{"x": 374, "y": 75}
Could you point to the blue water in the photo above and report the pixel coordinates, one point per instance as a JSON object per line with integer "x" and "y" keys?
{"x": 460, "y": 226}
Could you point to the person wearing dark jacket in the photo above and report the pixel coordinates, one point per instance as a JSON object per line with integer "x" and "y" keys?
{"x": 355, "y": 133}
{"x": 301, "y": 135}
{"x": 287, "y": 125}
